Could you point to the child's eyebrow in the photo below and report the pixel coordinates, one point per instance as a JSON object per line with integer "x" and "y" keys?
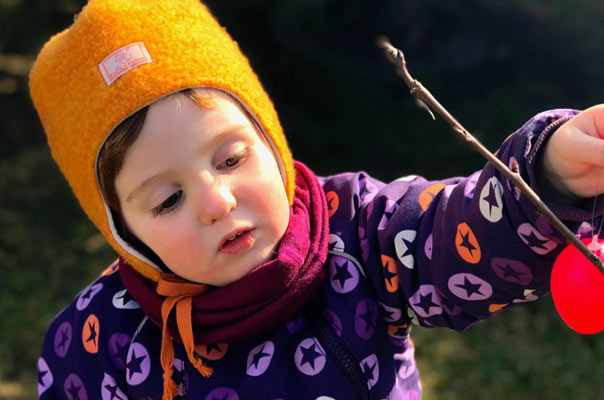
{"x": 141, "y": 188}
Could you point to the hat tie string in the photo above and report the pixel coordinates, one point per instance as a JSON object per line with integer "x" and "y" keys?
{"x": 179, "y": 294}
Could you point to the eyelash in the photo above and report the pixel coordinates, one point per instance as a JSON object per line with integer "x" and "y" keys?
{"x": 175, "y": 199}
{"x": 237, "y": 158}
{"x": 170, "y": 204}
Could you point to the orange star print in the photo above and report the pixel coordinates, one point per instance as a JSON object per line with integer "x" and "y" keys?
{"x": 398, "y": 331}
{"x": 111, "y": 269}
{"x": 390, "y": 273}
{"x": 496, "y": 307}
{"x": 466, "y": 244}
{"x": 212, "y": 351}
{"x": 333, "y": 202}
{"x": 426, "y": 197}
{"x": 90, "y": 334}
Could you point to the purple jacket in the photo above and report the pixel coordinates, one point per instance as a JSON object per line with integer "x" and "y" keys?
{"x": 444, "y": 253}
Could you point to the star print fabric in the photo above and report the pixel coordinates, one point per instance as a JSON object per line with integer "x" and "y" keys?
{"x": 434, "y": 253}
{"x": 457, "y": 251}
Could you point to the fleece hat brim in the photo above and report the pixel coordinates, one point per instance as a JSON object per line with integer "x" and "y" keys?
{"x": 120, "y": 56}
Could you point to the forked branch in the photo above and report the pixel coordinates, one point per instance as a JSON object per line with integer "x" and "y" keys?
{"x": 397, "y": 57}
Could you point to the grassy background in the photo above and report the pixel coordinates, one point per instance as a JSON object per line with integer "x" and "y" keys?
{"x": 492, "y": 63}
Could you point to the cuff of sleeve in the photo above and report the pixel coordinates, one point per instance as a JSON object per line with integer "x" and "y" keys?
{"x": 564, "y": 204}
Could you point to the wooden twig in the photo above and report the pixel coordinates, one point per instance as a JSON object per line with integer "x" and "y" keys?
{"x": 396, "y": 57}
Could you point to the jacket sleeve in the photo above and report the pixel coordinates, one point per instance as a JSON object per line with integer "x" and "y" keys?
{"x": 453, "y": 252}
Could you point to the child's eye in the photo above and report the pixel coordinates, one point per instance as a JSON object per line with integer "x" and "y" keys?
{"x": 233, "y": 161}
{"x": 170, "y": 204}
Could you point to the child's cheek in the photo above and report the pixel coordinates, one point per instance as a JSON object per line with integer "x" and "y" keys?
{"x": 176, "y": 246}
{"x": 271, "y": 203}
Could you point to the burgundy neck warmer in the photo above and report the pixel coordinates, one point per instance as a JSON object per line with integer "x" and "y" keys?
{"x": 265, "y": 298}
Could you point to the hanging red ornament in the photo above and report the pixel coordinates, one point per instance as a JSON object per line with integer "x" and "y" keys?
{"x": 578, "y": 288}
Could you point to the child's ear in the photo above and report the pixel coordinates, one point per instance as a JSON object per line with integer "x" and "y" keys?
{"x": 126, "y": 234}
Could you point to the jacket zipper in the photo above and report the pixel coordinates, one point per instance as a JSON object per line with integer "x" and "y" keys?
{"x": 336, "y": 350}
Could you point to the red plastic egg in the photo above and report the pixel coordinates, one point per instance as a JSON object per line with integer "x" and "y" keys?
{"x": 578, "y": 289}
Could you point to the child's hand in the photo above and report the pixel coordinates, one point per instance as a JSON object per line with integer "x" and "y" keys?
{"x": 574, "y": 156}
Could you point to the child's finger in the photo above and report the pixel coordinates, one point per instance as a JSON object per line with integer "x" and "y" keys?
{"x": 597, "y": 115}
{"x": 588, "y": 149}
{"x": 590, "y": 121}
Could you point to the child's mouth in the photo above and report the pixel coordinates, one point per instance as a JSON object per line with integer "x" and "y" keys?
{"x": 239, "y": 242}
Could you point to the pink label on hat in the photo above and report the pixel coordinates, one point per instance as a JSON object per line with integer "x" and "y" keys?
{"x": 123, "y": 60}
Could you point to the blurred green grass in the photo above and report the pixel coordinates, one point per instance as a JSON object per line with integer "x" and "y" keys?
{"x": 525, "y": 353}
{"x": 492, "y": 63}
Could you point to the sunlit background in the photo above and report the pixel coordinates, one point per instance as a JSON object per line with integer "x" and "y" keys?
{"x": 493, "y": 64}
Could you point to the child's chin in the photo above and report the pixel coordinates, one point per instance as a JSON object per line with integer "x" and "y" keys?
{"x": 253, "y": 267}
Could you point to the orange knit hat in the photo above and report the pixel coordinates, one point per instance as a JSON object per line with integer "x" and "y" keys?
{"x": 116, "y": 58}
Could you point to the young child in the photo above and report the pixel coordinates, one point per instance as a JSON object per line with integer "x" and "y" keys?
{"x": 242, "y": 275}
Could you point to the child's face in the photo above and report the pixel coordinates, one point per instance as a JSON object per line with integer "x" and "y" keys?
{"x": 195, "y": 179}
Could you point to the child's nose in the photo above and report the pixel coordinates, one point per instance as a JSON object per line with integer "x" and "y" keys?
{"x": 215, "y": 200}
